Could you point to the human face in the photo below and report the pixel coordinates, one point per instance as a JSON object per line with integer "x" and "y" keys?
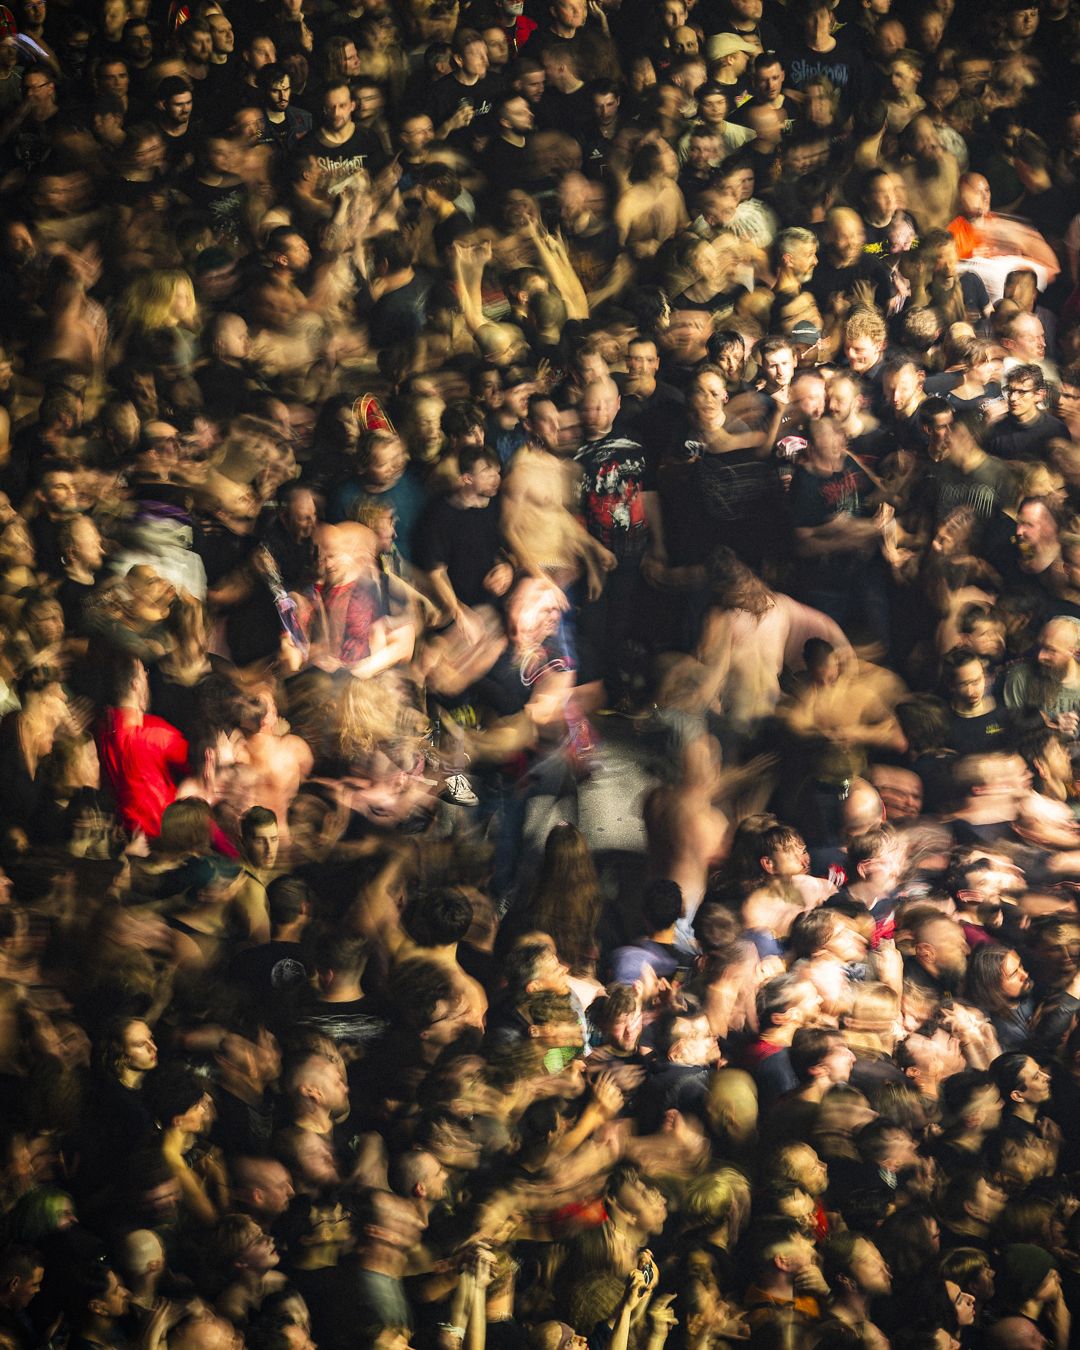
{"x": 839, "y": 1063}
{"x": 337, "y": 109}
{"x": 416, "y": 135}
{"x": 28, "y": 1289}
{"x": 486, "y": 478}
{"x": 140, "y": 1052}
{"x": 642, "y": 360}
{"x": 1035, "y": 528}
{"x": 870, "y": 1270}
{"x": 1027, "y": 340}
{"x": 625, "y": 1032}
{"x": 261, "y": 53}
{"x": 1022, "y": 23}
{"x": 474, "y": 60}
{"x": 598, "y": 409}
{"x": 901, "y": 387}
{"x": 498, "y": 49}
{"x": 569, "y": 14}
{"x": 707, "y": 399}
{"x": 964, "y": 1304}
{"x": 969, "y": 685}
{"x": 1034, "y": 1083}
{"x": 846, "y": 238}
{"x": 38, "y": 89}
{"x": 113, "y": 78}
{"x": 769, "y": 82}
{"x": 1014, "y": 978}
{"x": 519, "y": 116}
{"x": 178, "y": 109}
{"x": 543, "y": 422}
{"x": 115, "y": 1300}
{"x": 199, "y": 45}
{"x": 780, "y": 368}
{"x": 262, "y": 846}
{"x": 221, "y": 34}
{"x": 139, "y": 44}
{"x": 1056, "y": 651}
{"x": 279, "y": 95}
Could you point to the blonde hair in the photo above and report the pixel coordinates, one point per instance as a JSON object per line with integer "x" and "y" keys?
{"x": 150, "y": 300}
{"x": 865, "y": 322}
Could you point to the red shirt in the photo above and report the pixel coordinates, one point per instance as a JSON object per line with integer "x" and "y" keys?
{"x": 137, "y": 753}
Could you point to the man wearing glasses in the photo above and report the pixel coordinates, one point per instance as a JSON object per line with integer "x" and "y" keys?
{"x": 1025, "y": 431}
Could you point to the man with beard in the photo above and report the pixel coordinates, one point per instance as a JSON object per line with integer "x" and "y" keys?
{"x": 847, "y": 265}
{"x": 976, "y": 724}
{"x": 930, "y": 173}
{"x": 1050, "y": 683}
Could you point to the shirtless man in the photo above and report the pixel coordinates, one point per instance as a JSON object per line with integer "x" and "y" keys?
{"x": 688, "y": 823}
{"x": 281, "y": 762}
{"x": 930, "y": 173}
{"x": 750, "y": 635}
{"x": 652, "y": 208}
{"x": 545, "y": 537}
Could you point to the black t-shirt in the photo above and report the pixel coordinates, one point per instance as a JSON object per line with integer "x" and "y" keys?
{"x": 448, "y": 94}
{"x": 506, "y": 165}
{"x": 829, "y": 280}
{"x": 1025, "y": 441}
{"x": 990, "y": 731}
{"x": 363, "y": 150}
{"x": 464, "y": 540}
{"x": 845, "y": 66}
{"x": 815, "y": 500}
{"x": 399, "y": 315}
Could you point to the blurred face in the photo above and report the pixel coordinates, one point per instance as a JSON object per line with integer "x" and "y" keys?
{"x": 199, "y": 45}
{"x": 544, "y": 424}
{"x": 901, "y": 387}
{"x": 903, "y": 78}
{"x": 337, "y": 109}
{"x": 387, "y": 464}
{"x": 1035, "y": 528}
{"x": 870, "y": 1270}
{"x": 1034, "y": 1085}
{"x": 969, "y": 685}
{"x": 416, "y": 135}
{"x": 846, "y": 236}
{"x": 474, "y": 60}
{"x": 598, "y": 409}
{"x": 1027, "y": 340}
{"x": 486, "y": 478}
{"x": 642, "y": 360}
{"x": 498, "y": 49}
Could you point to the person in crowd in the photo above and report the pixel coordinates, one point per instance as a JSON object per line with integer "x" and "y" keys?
{"x": 539, "y": 675}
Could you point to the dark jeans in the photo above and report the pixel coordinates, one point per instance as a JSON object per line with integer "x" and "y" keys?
{"x": 605, "y": 626}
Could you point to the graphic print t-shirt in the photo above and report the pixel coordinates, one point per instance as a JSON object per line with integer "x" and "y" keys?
{"x": 615, "y": 475}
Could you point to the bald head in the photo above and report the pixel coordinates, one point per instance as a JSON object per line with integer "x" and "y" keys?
{"x": 599, "y": 407}
{"x": 347, "y": 551}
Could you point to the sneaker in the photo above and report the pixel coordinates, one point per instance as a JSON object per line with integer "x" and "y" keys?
{"x": 458, "y": 789}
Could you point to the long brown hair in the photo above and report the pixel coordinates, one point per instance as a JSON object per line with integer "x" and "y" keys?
{"x": 566, "y": 898}
{"x": 732, "y": 585}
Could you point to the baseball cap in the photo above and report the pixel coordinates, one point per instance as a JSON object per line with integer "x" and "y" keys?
{"x": 804, "y": 334}
{"x": 723, "y": 44}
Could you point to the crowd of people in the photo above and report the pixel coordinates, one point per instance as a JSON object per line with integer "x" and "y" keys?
{"x": 411, "y": 410}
